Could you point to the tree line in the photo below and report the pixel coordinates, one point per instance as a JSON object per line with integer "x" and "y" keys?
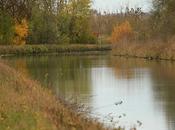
{"x": 45, "y": 21}
{"x": 74, "y": 21}
{"x": 134, "y": 24}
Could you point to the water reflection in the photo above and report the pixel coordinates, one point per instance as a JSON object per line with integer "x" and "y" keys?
{"x": 146, "y": 88}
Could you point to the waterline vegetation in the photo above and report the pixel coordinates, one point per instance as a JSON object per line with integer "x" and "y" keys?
{"x": 54, "y": 48}
{"x": 153, "y": 50}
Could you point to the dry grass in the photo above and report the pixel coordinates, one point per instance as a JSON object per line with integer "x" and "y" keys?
{"x": 150, "y": 50}
{"x": 25, "y": 105}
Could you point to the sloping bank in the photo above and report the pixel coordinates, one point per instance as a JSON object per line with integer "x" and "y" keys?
{"x": 151, "y": 50}
{"x": 25, "y": 105}
{"x": 44, "y": 49}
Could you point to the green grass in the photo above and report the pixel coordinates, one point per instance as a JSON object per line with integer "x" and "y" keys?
{"x": 25, "y": 120}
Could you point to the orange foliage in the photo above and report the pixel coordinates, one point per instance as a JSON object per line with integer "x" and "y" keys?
{"x": 121, "y": 32}
{"x": 21, "y": 32}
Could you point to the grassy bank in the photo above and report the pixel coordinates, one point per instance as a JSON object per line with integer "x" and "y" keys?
{"x": 154, "y": 50}
{"x": 41, "y": 49}
{"x": 25, "y": 105}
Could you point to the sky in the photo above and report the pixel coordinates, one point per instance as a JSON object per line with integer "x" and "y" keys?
{"x": 113, "y": 5}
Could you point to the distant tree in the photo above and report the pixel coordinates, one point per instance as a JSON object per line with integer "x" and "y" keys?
{"x": 21, "y": 32}
{"x": 163, "y": 18}
{"x": 46, "y": 21}
{"x": 6, "y": 28}
{"x": 17, "y": 9}
{"x": 42, "y": 27}
{"x": 121, "y": 32}
{"x": 79, "y": 20}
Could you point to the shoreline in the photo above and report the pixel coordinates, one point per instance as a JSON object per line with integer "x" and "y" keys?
{"x": 146, "y": 58}
{"x": 148, "y": 51}
{"x": 9, "y": 50}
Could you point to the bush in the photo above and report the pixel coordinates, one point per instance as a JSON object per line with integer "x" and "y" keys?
{"x": 88, "y": 39}
{"x": 121, "y": 32}
{"x": 21, "y": 32}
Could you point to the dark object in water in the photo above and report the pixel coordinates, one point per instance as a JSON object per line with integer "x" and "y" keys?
{"x": 124, "y": 114}
{"x": 139, "y": 122}
{"x": 120, "y": 117}
{"x": 118, "y": 103}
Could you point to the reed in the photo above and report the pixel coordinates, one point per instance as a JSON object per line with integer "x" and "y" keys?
{"x": 157, "y": 50}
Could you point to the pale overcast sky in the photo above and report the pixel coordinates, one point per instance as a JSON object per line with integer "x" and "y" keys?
{"x": 113, "y": 5}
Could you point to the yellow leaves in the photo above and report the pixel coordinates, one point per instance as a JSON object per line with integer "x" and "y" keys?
{"x": 121, "y": 32}
{"x": 21, "y": 32}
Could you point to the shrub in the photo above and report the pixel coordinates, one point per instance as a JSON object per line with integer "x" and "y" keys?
{"x": 21, "y": 32}
{"x": 121, "y": 32}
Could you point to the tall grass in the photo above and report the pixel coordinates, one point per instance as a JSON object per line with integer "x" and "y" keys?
{"x": 158, "y": 50}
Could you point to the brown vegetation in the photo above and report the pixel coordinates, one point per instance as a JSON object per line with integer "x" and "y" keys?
{"x": 26, "y": 105}
{"x": 121, "y": 32}
{"x": 149, "y": 50}
{"x": 21, "y": 32}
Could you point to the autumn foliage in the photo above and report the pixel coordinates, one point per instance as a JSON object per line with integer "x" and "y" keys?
{"x": 21, "y": 32}
{"x": 121, "y": 32}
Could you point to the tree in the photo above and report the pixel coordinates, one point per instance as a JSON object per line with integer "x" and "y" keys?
{"x": 42, "y": 27}
{"x": 21, "y": 32}
{"x": 6, "y": 28}
{"x": 79, "y": 27}
{"x": 163, "y": 18}
{"x": 121, "y": 32}
{"x": 48, "y": 21}
{"x": 17, "y": 9}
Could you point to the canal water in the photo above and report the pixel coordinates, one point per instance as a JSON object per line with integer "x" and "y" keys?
{"x": 118, "y": 91}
